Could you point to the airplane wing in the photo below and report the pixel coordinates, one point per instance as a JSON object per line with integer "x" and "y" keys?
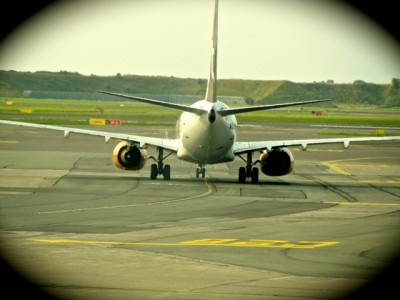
{"x": 244, "y": 147}
{"x": 169, "y": 144}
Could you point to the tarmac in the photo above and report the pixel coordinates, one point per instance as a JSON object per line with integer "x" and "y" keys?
{"x": 75, "y": 227}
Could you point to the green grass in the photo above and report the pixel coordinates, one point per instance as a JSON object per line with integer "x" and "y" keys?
{"x": 73, "y": 112}
{"x": 78, "y": 112}
{"x": 354, "y": 134}
{"x": 335, "y": 118}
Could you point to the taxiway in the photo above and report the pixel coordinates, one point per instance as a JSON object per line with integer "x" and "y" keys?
{"x": 78, "y": 228}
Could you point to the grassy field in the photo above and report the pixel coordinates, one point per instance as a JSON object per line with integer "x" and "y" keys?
{"x": 78, "y": 112}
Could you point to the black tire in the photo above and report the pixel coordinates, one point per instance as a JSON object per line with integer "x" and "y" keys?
{"x": 153, "y": 172}
{"x": 167, "y": 172}
{"x": 242, "y": 175}
{"x": 254, "y": 175}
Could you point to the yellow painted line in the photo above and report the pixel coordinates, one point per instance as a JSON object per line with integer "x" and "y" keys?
{"x": 357, "y": 181}
{"x": 204, "y": 243}
{"x": 361, "y": 158}
{"x": 362, "y": 203}
{"x": 333, "y": 164}
{"x": 209, "y": 191}
{"x": 336, "y": 168}
{"x": 259, "y": 243}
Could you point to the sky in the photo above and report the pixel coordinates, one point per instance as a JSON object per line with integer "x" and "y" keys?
{"x": 296, "y": 40}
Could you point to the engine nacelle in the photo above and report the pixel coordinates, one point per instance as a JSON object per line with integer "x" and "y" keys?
{"x": 128, "y": 156}
{"x": 277, "y": 162}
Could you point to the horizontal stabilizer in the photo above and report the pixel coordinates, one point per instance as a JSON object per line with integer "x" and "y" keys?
{"x": 157, "y": 102}
{"x": 233, "y": 111}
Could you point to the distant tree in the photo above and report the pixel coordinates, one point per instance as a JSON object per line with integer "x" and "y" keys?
{"x": 130, "y": 90}
{"x": 359, "y": 82}
{"x": 396, "y": 82}
{"x": 249, "y": 101}
{"x": 119, "y": 76}
{"x": 330, "y": 81}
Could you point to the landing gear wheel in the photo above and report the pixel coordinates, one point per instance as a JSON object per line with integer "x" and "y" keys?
{"x": 242, "y": 174}
{"x": 160, "y": 168}
{"x": 167, "y": 172}
{"x": 254, "y": 175}
{"x": 248, "y": 171}
{"x": 153, "y": 172}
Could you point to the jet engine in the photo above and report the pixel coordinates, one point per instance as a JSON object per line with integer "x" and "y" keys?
{"x": 277, "y": 162}
{"x": 128, "y": 156}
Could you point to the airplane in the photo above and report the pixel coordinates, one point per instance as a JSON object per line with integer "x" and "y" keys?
{"x": 206, "y": 135}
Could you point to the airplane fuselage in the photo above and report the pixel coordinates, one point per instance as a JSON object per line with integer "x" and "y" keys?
{"x": 206, "y": 138}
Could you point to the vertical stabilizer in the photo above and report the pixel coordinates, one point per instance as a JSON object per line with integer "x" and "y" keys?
{"x": 211, "y": 94}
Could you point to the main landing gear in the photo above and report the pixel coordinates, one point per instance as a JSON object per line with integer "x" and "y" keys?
{"x": 160, "y": 168}
{"x": 248, "y": 171}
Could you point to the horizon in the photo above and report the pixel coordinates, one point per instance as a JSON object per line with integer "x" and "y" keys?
{"x": 328, "y": 81}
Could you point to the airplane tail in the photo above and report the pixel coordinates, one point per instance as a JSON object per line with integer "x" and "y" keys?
{"x": 211, "y": 94}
